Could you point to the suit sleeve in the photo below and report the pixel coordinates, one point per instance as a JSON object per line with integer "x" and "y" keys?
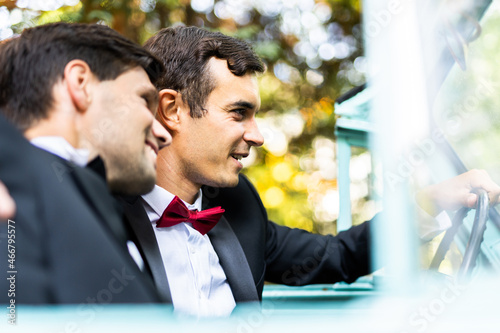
{"x": 297, "y": 257}
{"x": 17, "y": 163}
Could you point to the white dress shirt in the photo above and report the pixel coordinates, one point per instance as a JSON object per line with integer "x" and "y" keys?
{"x": 197, "y": 282}
{"x": 58, "y": 146}
{"x": 429, "y": 226}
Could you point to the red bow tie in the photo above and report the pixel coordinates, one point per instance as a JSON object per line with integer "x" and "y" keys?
{"x": 177, "y": 212}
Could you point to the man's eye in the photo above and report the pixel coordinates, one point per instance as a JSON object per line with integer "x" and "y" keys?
{"x": 240, "y": 111}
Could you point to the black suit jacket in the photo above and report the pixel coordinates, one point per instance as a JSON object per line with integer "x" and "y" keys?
{"x": 252, "y": 249}
{"x": 70, "y": 242}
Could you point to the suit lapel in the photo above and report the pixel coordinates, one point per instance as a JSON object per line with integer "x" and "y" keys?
{"x": 233, "y": 262}
{"x": 97, "y": 194}
{"x": 141, "y": 226}
{"x": 223, "y": 239}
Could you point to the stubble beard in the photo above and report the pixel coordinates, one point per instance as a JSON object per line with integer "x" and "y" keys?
{"x": 127, "y": 178}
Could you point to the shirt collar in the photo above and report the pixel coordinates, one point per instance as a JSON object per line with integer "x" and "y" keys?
{"x": 159, "y": 199}
{"x": 59, "y": 146}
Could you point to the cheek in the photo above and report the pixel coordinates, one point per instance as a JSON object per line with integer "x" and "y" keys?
{"x": 205, "y": 151}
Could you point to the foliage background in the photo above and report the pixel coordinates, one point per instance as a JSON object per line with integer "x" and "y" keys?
{"x": 313, "y": 52}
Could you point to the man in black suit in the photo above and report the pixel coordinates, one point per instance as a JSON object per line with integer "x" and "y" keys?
{"x": 208, "y": 101}
{"x": 69, "y": 87}
{"x": 65, "y": 248}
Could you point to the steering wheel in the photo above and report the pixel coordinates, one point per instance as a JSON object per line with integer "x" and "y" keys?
{"x": 475, "y": 239}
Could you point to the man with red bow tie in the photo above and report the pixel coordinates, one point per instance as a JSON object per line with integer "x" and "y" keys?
{"x": 205, "y": 259}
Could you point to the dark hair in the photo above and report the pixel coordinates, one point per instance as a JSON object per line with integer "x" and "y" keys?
{"x": 31, "y": 64}
{"x": 185, "y": 52}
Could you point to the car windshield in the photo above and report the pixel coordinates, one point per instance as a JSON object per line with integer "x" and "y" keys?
{"x": 466, "y": 112}
{"x": 435, "y": 113}
{"x": 467, "y": 108}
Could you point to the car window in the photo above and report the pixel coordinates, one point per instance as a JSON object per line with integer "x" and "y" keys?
{"x": 466, "y": 112}
{"x": 467, "y": 108}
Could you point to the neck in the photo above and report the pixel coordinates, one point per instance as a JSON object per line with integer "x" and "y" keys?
{"x": 86, "y": 144}
{"x": 58, "y": 124}
{"x": 171, "y": 177}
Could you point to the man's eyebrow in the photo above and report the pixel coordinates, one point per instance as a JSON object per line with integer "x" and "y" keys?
{"x": 242, "y": 104}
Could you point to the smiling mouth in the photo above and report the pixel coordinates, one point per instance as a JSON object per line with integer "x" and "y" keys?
{"x": 239, "y": 157}
{"x": 153, "y": 146}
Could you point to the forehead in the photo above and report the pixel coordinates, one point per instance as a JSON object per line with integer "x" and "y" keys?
{"x": 230, "y": 88}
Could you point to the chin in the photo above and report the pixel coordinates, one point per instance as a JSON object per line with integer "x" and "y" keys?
{"x": 220, "y": 182}
{"x": 133, "y": 185}
{"x": 230, "y": 182}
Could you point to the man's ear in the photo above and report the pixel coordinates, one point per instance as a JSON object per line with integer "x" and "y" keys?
{"x": 169, "y": 109}
{"x": 77, "y": 76}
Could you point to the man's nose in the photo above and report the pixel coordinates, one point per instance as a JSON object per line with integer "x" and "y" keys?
{"x": 252, "y": 134}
